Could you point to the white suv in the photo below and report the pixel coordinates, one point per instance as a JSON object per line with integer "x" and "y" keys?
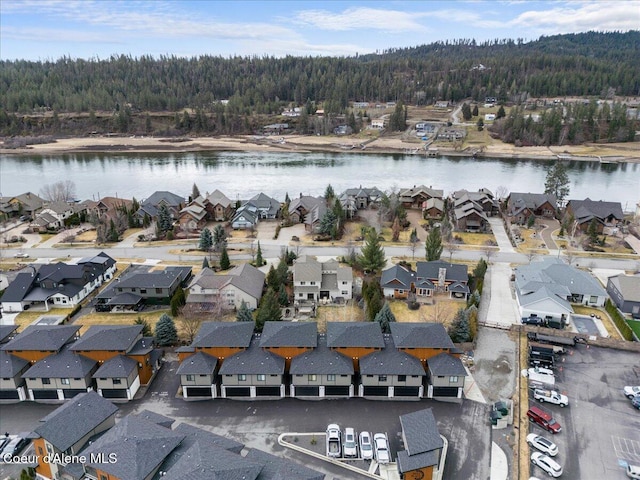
{"x": 547, "y": 464}
{"x": 366, "y": 448}
{"x": 350, "y": 443}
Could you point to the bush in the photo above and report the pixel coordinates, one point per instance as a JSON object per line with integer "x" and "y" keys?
{"x": 619, "y": 320}
{"x": 413, "y": 305}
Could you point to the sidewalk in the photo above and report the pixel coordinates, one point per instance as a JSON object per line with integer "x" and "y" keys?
{"x": 501, "y": 235}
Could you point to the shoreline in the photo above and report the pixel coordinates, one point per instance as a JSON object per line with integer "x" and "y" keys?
{"x": 605, "y": 153}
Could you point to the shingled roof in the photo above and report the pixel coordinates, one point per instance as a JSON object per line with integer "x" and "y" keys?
{"x": 116, "y": 367}
{"x": 224, "y": 334}
{"x": 10, "y": 365}
{"x": 354, "y": 334}
{"x": 44, "y": 338}
{"x": 289, "y": 334}
{"x": 277, "y": 468}
{"x": 420, "y": 335}
{"x": 108, "y": 337}
{"x": 197, "y": 364}
{"x": 422, "y": 441}
{"x": 321, "y": 361}
{"x": 253, "y": 361}
{"x": 65, "y": 364}
{"x": 390, "y": 361}
{"x": 445, "y": 364}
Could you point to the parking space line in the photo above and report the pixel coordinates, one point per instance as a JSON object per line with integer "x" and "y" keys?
{"x": 626, "y": 448}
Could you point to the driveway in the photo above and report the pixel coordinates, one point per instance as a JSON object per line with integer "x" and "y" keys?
{"x": 549, "y": 226}
{"x": 502, "y": 309}
{"x": 501, "y": 235}
{"x": 633, "y": 243}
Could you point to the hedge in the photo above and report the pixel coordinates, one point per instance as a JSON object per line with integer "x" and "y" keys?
{"x": 619, "y": 320}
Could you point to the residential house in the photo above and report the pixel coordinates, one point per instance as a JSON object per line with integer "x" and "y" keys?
{"x": 246, "y": 217}
{"x": 397, "y": 282}
{"x": 219, "y": 206}
{"x": 40, "y": 341}
{"x": 451, "y": 133}
{"x": 256, "y": 371}
{"x": 53, "y": 215}
{"x": 194, "y": 216}
{"x": 624, "y": 290}
{"x": 24, "y": 204}
{"x": 433, "y": 209}
{"x": 422, "y": 340}
{"x": 7, "y": 332}
{"x": 316, "y": 281}
{"x": 545, "y": 301}
{"x": 106, "y": 208}
{"x": 219, "y": 339}
{"x": 445, "y": 377}
{"x": 198, "y": 376}
{"x": 604, "y": 213}
{"x": 301, "y": 206}
{"x": 359, "y": 198}
{"x": 416, "y": 196}
{"x": 470, "y": 217}
{"x": 483, "y": 197}
{"x": 118, "y": 378}
{"x": 267, "y": 207}
{"x": 58, "y": 284}
{"x": 377, "y": 124}
{"x": 60, "y": 376}
{"x": 520, "y": 206}
{"x": 289, "y": 339}
{"x": 423, "y": 446}
{"x": 243, "y": 283}
{"x": 391, "y": 373}
{"x": 12, "y": 383}
{"x": 354, "y": 339}
{"x": 278, "y": 468}
{"x": 322, "y": 372}
{"x": 428, "y": 279}
{"x": 313, "y": 218}
{"x": 149, "y": 207}
{"x": 69, "y": 428}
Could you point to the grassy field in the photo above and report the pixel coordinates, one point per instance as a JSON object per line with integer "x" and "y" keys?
{"x": 476, "y": 238}
{"x": 442, "y": 311}
{"x": 346, "y": 313}
{"x": 24, "y": 319}
{"x": 635, "y": 326}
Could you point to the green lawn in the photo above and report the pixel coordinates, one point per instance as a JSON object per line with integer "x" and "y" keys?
{"x": 635, "y": 326}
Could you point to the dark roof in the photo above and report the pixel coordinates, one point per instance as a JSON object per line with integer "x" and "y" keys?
{"x": 99, "y": 259}
{"x": 125, "y": 298}
{"x": 444, "y": 364}
{"x": 289, "y": 334}
{"x": 321, "y": 361}
{"x": 454, "y": 272}
{"x": 224, "y": 334}
{"x": 194, "y": 433}
{"x": 142, "y": 346}
{"x": 420, "y": 432}
{"x": 116, "y": 367}
{"x": 407, "y": 462}
{"x": 6, "y": 331}
{"x": 156, "y": 418}
{"x": 420, "y": 335}
{"x": 253, "y": 361}
{"x": 354, "y": 334}
{"x": 587, "y": 209}
{"x": 43, "y": 338}
{"x": 108, "y": 337}
{"x": 532, "y": 201}
{"x": 390, "y": 361}
{"x": 156, "y": 279}
{"x": 76, "y": 418}
{"x": 10, "y": 365}
{"x": 278, "y": 468}
{"x": 65, "y": 364}
{"x": 197, "y": 364}
{"x": 18, "y": 289}
{"x": 159, "y": 197}
{"x": 139, "y": 445}
{"x": 398, "y": 277}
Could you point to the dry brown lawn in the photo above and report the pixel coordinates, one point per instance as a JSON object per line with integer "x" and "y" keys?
{"x": 442, "y": 311}
{"x": 88, "y": 236}
{"x": 24, "y": 319}
{"x": 475, "y": 238}
{"x": 345, "y": 313}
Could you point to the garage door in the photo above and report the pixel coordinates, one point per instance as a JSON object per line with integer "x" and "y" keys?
{"x": 306, "y": 391}
{"x": 376, "y": 391}
{"x": 268, "y": 391}
{"x": 445, "y": 391}
{"x": 9, "y": 395}
{"x": 406, "y": 391}
{"x": 72, "y": 392}
{"x": 198, "y": 391}
{"x": 238, "y": 391}
{"x": 45, "y": 394}
{"x": 336, "y": 391}
{"x": 114, "y": 393}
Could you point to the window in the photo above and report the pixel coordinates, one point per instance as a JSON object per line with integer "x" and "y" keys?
{"x": 312, "y": 283}
{"x": 402, "y": 378}
{"x": 242, "y": 377}
{"x": 202, "y": 375}
{"x": 400, "y": 291}
{"x": 261, "y": 377}
{"x": 331, "y": 378}
{"x": 158, "y": 290}
{"x": 453, "y": 379}
{"x": 103, "y": 379}
{"x": 190, "y": 378}
{"x": 593, "y": 299}
{"x": 313, "y": 377}
{"x": 117, "y": 381}
{"x": 143, "y": 290}
{"x": 77, "y": 379}
{"x": 344, "y": 283}
{"x": 40, "y": 451}
{"x": 64, "y": 381}
{"x": 46, "y": 381}
{"x": 6, "y": 379}
{"x": 303, "y": 283}
{"x": 345, "y": 292}
{"x": 382, "y": 378}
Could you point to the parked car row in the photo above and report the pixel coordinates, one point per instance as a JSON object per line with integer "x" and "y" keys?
{"x": 350, "y": 445}
{"x": 633, "y": 394}
{"x": 11, "y": 445}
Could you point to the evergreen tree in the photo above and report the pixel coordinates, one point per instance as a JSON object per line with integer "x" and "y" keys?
{"x": 195, "y": 192}
{"x": 474, "y": 112}
{"x": 501, "y": 113}
{"x": 166, "y": 333}
{"x": 219, "y": 238}
{"x": 146, "y": 328}
{"x": 480, "y": 124}
{"x": 283, "y": 297}
{"x": 283, "y": 270}
{"x": 480, "y": 269}
{"x": 269, "y": 309}
{"x": 273, "y": 281}
{"x": 557, "y": 181}
{"x": 372, "y": 256}
{"x": 225, "y": 264}
{"x": 205, "y": 263}
{"x": 165, "y": 221}
{"x": 460, "y": 330}
{"x": 374, "y": 302}
{"x": 466, "y": 112}
{"x": 327, "y": 224}
{"x": 384, "y": 317}
{"x": 244, "y": 314}
{"x": 178, "y": 300}
{"x": 259, "y": 259}
{"x": 531, "y": 221}
{"x": 433, "y": 245}
{"x": 206, "y": 240}
{"x": 592, "y": 231}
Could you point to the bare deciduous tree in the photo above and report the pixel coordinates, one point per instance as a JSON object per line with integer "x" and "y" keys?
{"x": 451, "y": 248}
{"x": 531, "y": 254}
{"x": 489, "y": 252}
{"x": 61, "y": 191}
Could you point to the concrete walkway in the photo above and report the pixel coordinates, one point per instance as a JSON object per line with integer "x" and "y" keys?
{"x": 501, "y": 235}
{"x": 633, "y": 243}
{"x": 499, "y": 464}
{"x": 502, "y": 307}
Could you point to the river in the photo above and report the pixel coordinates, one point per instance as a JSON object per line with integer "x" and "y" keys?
{"x": 241, "y": 175}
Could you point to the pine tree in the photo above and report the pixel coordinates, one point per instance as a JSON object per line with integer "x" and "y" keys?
{"x": 557, "y": 181}
{"x": 259, "y": 259}
{"x": 283, "y": 298}
{"x": 460, "y": 330}
{"x": 327, "y": 224}
{"x": 269, "y": 309}
{"x": 195, "y": 192}
{"x": 329, "y": 194}
{"x": 384, "y": 317}
{"x": 206, "y": 241}
{"x": 474, "y": 112}
{"x": 225, "y": 264}
{"x": 219, "y": 238}
{"x": 164, "y": 219}
{"x": 178, "y": 300}
{"x": 592, "y": 231}
{"x": 283, "y": 270}
{"x": 433, "y": 245}
{"x": 372, "y": 256}
{"x": 501, "y": 113}
{"x": 244, "y": 314}
{"x": 374, "y": 303}
{"x": 166, "y": 333}
{"x": 146, "y": 328}
{"x": 273, "y": 281}
{"x": 205, "y": 263}
{"x": 466, "y": 112}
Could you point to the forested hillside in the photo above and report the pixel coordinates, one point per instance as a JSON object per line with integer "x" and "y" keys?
{"x": 587, "y": 64}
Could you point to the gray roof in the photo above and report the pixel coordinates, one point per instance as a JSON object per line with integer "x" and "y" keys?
{"x": 253, "y": 361}
{"x": 420, "y": 189}
{"x": 43, "y": 338}
{"x": 10, "y": 365}
{"x": 444, "y": 364}
{"x": 289, "y": 334}
{"x": 142, "y": 346}
{"x": 224, "y": 334}
{"x": 139, "y": 445}
{"x": 126, "y": 298}
{"x": 520, "y": 201}
{"x": 397, "y": 277}
{"x": 65, "y": 364}
{"x": 194, "y": 434}
{"x": 116, "y": 367}
{"x": 454, "y": 272}
{"x": 245, "y": 277}
{"x": 197, "y": 364}
{"x": 420, "y": 335}
{"x": 19, "y": 287}
{"x": 553, "y": 271}
{"x": 307, "y": 269}
{"x": 156, "y": 418}
{"x": 263, "y": 202}
{"x": 108, "y": 337}
{"x": 586, "y": 209}
{"x": 422, "y": 440}
{"x": 76, "y": 418}
{"x": 354, "y": 334}
{"x": 543, "y": 293}
{"x": 278, "y": 468}
{"x": 628, "y": 286}
{"x": 217, "y": 197}
{"x": 390, "y": 361}
{"x": 160, "y": 197}
{"x": 407, "y": 463}
{"x": 157, "y": 279}
{"x": 321, "y": 361}
{"x": 6, "y": 331}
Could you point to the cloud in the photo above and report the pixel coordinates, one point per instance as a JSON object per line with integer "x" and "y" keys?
{"x": 57, "y": 35}
{"x": 361, "y": 18}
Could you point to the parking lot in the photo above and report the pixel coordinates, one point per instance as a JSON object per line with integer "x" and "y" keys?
{"x": 600, "y": 429}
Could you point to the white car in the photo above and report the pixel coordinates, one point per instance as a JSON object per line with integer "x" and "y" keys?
{"x": 350, "y": 443}
{"x": 633, "y": 471}
{"x": 547, "y": 464}
{"x": 21, "y": 255}
{"x": 542, "y": 444}
{"x": 381, "y": 448}
{"x": 631, "y": 392}
{"x": 366, "y": 448}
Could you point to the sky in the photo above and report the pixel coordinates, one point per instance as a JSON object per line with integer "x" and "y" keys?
{"x": 50, "y": 29}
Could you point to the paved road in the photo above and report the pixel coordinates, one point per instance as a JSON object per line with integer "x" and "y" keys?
{"x": 501, "y": 235}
